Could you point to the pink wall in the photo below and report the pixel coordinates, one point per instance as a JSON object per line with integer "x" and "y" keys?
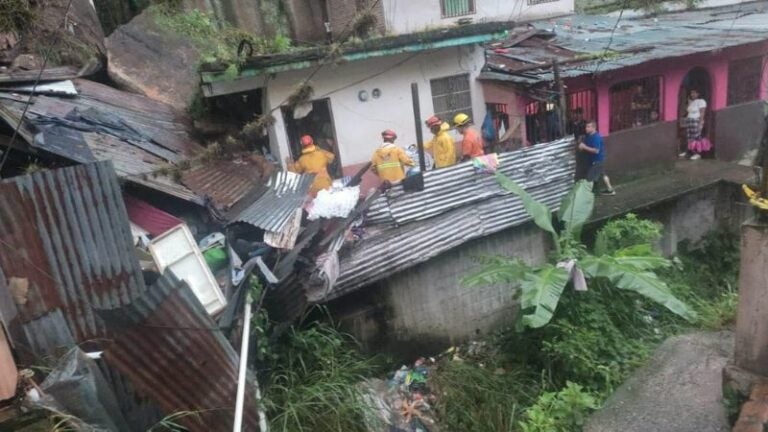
{"x": 672, "y": 72}
{"x": 504, "y": 94}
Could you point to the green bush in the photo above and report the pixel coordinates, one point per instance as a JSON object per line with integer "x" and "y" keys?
{"x": 563, "y": 411}
{"x": 626, "y": 232}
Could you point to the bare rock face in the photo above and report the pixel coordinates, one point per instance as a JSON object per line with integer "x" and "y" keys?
{"x": 68, "y": 34}
{"x": 147, "y": 59}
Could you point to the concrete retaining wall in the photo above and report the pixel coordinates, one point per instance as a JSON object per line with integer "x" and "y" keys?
{"x": 427, "y": 309}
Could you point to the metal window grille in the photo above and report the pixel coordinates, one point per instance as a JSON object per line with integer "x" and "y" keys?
{"x": 500, "y": 114}
{"x": 451, "y": 95}
{"x": 455, "y": 8}
{"x": 535, "y": 2}
{"x": 744, "y": 80}
{"x": 542, "y": 121}
{"x": 635, "y": 103}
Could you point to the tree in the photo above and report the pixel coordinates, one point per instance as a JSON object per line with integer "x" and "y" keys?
{"x": 541, "y": 287}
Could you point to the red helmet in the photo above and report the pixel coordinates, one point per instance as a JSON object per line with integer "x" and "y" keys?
{"x": 389, "y": 133}
{"x": 307, "y": 141}
{"x": 434, "y": 121}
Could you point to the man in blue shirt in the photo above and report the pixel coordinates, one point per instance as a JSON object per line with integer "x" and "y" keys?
{"x": 593, "y": 146}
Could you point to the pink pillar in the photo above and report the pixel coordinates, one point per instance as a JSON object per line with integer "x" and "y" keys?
{"x": 764, "y": 80}
{"x": 718, "y": 74}
{"x": 603, "y": 108}
{"x": 672, "y": 80}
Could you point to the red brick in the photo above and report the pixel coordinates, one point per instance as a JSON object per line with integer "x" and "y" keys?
{"x": 760, "y": 392}
{"x": 745, "y": 426}
{"x": 757, "y": 411}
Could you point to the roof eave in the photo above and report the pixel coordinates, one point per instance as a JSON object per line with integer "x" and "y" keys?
{"x": 221, "y": 76}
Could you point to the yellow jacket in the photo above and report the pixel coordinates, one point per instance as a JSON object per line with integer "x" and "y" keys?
{"x": 388, "y": 161}
{"x": 442, "y": 148}
{"x": 315, "y": 160}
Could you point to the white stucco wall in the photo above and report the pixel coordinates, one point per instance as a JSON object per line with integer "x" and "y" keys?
{"x": 358, "y": 124}
{"x": 415, "y": 15}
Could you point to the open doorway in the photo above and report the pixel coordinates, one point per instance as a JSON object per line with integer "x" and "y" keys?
{"x": 316, "y": 119}
{"x": 697, "y": 79}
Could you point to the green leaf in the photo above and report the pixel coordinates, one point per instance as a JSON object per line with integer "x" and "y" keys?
{"x": 576, "y": 207}
{"x": 540, "y": 213}
{"x": 633, "y": 274}
{"x": 541, "y": 291}
{"x": 498, "y": 271}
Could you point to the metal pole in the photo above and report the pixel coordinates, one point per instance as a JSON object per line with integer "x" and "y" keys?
{"x": 243, "y": 365}
{"x": 417, "y": 119}
{"x": 561, "y": 103}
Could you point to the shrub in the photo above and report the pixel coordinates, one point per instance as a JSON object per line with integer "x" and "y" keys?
{"x": 626, "y": 232}
{"x": 563, "y": 411}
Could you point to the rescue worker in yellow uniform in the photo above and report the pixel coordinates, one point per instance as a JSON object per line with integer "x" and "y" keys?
{"x": 441, "y": 146}
{"x": 389, "y": 161}
{"x": 472, "y": 144}
{"x": 313, "y": 160}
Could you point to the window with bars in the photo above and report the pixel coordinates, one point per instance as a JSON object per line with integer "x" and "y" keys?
{"x": 542, "y": 123}
{"x": 744, "y": 80}
{"x": 450, "y": 96}
{"x": 456, "y": 8}
{"x": 635, "y": 103}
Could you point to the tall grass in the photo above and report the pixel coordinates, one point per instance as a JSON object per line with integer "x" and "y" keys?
{"x": 314, "y": 384}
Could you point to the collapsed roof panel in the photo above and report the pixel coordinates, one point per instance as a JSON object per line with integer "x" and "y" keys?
{"x": 173, "y": 352}
{"x": 66, "y": 246}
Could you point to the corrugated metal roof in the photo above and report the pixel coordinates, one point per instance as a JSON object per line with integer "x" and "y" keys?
{"x": 459, "y": 185}
{"x": 66, "y": 231}
{"x": 227, "y": 181}
{"x": 636, "y": 41}
{"x": 139, "y": 135}
{"x": 174, "y": 353}
{"x": 286, "y": 191}
{"x": 451, "y": 216}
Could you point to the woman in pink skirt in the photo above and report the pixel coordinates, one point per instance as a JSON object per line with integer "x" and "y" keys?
{"x": 694, "y": 124}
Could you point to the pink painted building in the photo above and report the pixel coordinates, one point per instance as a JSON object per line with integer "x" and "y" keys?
{"x": 634, "y": 80}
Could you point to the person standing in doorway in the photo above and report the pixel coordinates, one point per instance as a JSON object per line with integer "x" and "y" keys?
{"x": 441, "y": 146}
{"x": 472, "y": 143}
{"x": 694, "y": 126}
{"x": 593, "y": 145}
{"x": 389, "y": 161}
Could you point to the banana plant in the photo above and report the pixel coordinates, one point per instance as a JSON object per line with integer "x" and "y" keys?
{"x": 541, "y": 286}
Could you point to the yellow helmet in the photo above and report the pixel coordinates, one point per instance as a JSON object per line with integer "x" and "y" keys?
{"x": 461, "y": 119}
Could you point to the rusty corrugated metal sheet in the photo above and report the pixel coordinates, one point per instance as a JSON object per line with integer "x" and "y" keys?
{"x": 67, "y": 233}
{"x": 226, "y": 182}
{"x": 450, "y": 212}
{"x": 174, "y": 353}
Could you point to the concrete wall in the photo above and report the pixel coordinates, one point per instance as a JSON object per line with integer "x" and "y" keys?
{"x": 653, "y": 146}
{"x": 358, "y": 124}
{"x": 427, "y": 306}
{"x": 738, "y": 129}
{"x": 427, "y": 309}
{"x": 412, "y": 16}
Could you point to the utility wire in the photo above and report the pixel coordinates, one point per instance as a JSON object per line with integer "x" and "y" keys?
{"x": 610, "y": 40}
{"x": 32, "y": 93}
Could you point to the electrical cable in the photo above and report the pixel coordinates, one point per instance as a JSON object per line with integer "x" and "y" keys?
{"x": 610, "y": 40}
